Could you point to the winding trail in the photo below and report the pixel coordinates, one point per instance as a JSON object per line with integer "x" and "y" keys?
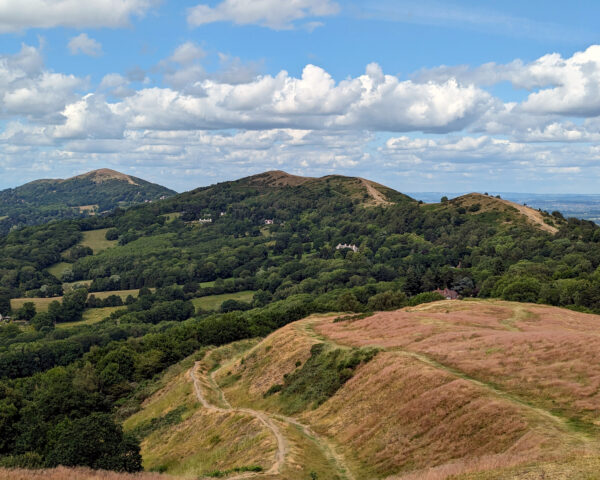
{"x": 282, "y": 448}
{"x": 267, "y": 420}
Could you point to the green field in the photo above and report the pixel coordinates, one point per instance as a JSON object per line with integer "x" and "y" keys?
{"x": 96, "y": 240}
{"x": 90, "y": 316}
{"x": 58, "y": 269}
{"x": 70, "y": 285}
{"x": 213, "y": 302}
{"x": 41, "y": 304}
{"x": 172, "y": 216}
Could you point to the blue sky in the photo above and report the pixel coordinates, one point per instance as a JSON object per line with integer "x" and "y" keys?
{"x": 421, "y": 96}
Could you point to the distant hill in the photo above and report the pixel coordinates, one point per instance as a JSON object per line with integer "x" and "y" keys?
{"x": 94, "y": 192}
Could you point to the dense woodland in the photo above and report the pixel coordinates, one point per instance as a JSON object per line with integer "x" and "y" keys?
{"x": 59, "y": 383}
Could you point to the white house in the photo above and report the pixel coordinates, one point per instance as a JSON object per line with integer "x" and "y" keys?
{"x": 342, "y": 246}
{"x": 269, "y": 221}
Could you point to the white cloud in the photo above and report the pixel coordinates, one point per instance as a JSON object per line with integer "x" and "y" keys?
{"x": 186, "y": 53}
{"x": 86, "y": 45}
{"x": 233, "y": 120}
{"x": 18, "y": 15}
{"x": 26, "y": 89}
{"x": 372, "y": 101}
{"x": 273, "y": 14}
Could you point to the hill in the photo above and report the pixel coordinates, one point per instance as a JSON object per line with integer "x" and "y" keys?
{"x": 94, "y": 192}
{"x": 476, "y": 202}
{"x": 446, "y": 388}
{"x": 116, "y": 300}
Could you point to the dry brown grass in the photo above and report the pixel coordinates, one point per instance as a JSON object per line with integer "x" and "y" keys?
{"x": 204, "y": 441}
{"x": 461, "y": 387}
{"x": 64, "y": 473}
{"x": 264, "y": 366}
{"x": 546, "y": 356}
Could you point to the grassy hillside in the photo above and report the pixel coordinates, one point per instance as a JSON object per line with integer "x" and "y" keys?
{"x": 455, "y": 387}
{"x": 88, "y": 194}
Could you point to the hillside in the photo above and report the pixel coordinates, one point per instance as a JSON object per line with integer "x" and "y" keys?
{"x": 94, "y": 192}
{"x": 478, "y": 203}
{"x": 104, "y": 306}
{"x": 446, "y": 388}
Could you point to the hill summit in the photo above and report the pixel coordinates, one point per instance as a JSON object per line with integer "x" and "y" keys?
{"x": 105, "y": 174}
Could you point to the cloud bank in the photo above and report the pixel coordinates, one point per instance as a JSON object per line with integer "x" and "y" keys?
{"x": 441, "y": 122}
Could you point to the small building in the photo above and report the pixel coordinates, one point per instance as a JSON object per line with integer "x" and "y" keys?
{"x": 4, "y": 318}
{"x": 447, "y": 293}
{"x": 204, "y": 220}
{"x": 343, "y": 246}
{"x": 269, "y": 221}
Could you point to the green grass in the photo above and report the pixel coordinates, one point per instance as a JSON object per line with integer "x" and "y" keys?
{"x": 81, "y": 283}
{"x": 320, "y": 377}
{"x": 96, "y": 240}
{"x": 172, "y": 216}
{"x": 213, "y": 302}
{"x": 90, "y": 316}
{"x": 41, "y": 304}
{"x": 59, "y": 268}
{"x": 3, "y": 217}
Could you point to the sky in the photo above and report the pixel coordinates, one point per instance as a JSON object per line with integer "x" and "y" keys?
{"x": 425, "y": 95}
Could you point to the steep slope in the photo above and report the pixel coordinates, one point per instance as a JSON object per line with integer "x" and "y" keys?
{"x": 97, "y": 191}
{"x": 476, "y": 203}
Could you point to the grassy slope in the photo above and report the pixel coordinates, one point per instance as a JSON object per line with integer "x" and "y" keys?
{"x": 213, "y": 302}
{"x": 201, "y": 442}
{"x": 63, "y": 473}
{"x": 451, "y": 389}
{"x": 96, "y": 240}
{"x": 90, "y": 316}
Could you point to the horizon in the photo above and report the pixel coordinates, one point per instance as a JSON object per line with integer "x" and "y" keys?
{"x": 416, "y": 97}
{"x": 408, "y": 192}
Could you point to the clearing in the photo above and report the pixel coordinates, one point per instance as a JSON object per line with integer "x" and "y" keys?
{"x": 214, "y": 302}
{"x": 96, "y": 240}
{"x": 41, "y": 304}
{"x": 91, "y": 316}
{"x": 456, "y": 388}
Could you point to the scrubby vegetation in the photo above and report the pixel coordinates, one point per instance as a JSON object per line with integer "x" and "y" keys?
{"x": 320, "y": 377}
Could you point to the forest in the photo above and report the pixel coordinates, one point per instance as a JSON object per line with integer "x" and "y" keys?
{"x": 57, "y": 383}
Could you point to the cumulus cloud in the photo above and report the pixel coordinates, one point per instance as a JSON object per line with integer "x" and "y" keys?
{"x": 442, "y": 120}
{"x": 273, "y": 14}
{"x": 18, "y": 15}
{"x": 27, "y": 89}
{"x": 372, "y": 101}
{"x": 86, "y": 45}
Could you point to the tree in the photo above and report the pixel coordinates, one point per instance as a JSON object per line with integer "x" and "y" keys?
{"x": 41, "y": 320}
{"x": 94, "y": 441}
{"x": 26, "y": 312}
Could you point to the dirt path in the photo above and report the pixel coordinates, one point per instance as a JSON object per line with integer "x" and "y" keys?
{"x": 282, "y": 448}
{"x": 267, "y": 419}
{"x": 375, "y": 194}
